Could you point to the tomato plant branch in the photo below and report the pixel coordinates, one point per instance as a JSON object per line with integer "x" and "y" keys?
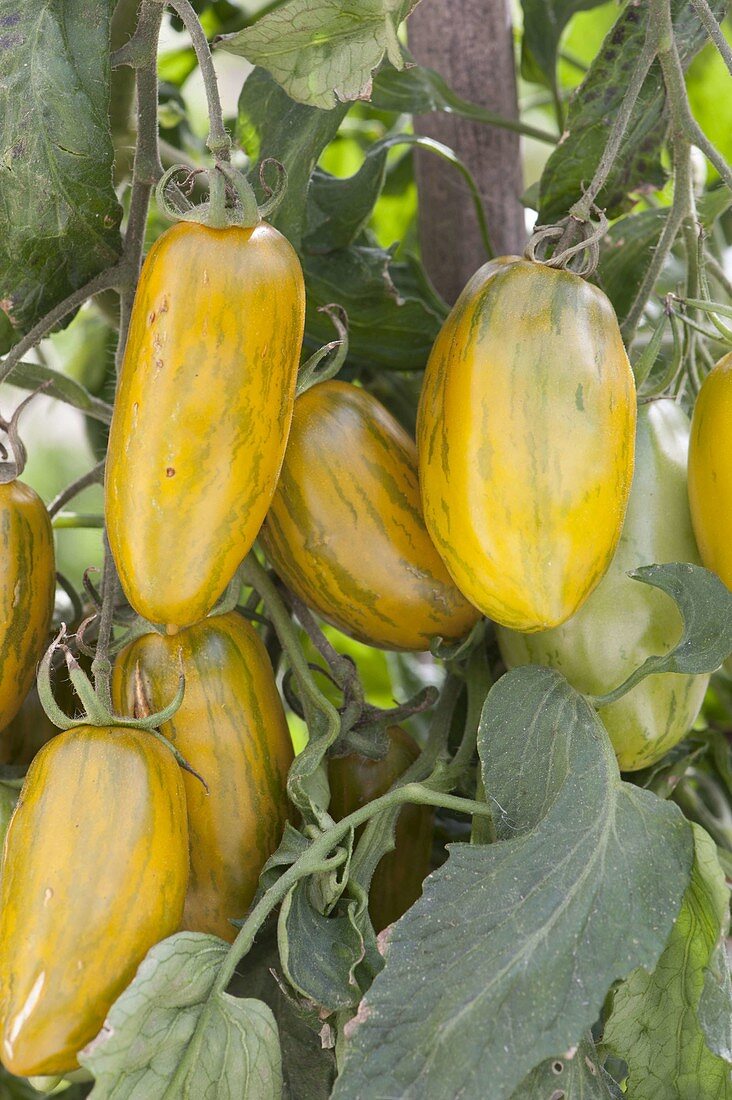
{"x": 582, "y": 209}
{"x": 343, "y": 668}
{"x": 256, "y": 576}
{"x": 147, "y": 168}
{"x": 673, "y": 75}
{"x": 91, "y": 477}
{"x": 218, "y": 140}
{"x": 102, "y": 665}
{"x": 676, "y": 215}
{"x": 309, "y": 862}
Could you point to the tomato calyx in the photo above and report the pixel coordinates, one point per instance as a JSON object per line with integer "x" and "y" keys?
{"x": 231, "y": 200}
{"x": 573, "y": 244}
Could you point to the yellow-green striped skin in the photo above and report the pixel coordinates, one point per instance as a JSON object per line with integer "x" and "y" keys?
{"x": 27, "y": 587}
{"x": 345, "y": 530}
{"x": 525, "y": 437}
{"x": 202, "y": 413}
{"x": 232, "y": 730}
{"x": 94, "y": 873}
{"x": 624, "y": 621}
{"x": 710, "y": 470}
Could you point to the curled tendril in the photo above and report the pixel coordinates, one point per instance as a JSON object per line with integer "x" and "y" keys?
{"x": 89, "y": 588}
{"x": 326, "y": 362}
{"x": 167, "y": 185}
{"x": 81, "y": 630}
{"x": 557, "y": 245}
{"x": 9, "y": 471}
{"x": 275, "y": 194}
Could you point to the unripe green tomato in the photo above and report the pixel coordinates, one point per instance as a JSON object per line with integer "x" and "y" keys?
{"x": 354, "y": 781}
{"x": 625, "y": 621}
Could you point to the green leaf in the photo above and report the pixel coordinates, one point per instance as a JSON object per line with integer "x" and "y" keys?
{"x": 308, "y": 1068}
{"x": 638, "y": 164}
{"x": 705, "y": 604}
{"x": 319, "y": 954}
{"x": 270, "y": 124}
{"x": 393, "y": 318}
{"x": 147, "y": 1034}
{"x": 338, "y": 209}
{"x": 577, "y": 1074}
{"x": 417, "y": 90}
{"x": 628, "y": 246}
{"x": 654, "y": 1026}
{"x": 507, "y": 957}
{"x": 544, "y": 22}
{"x": 322, "y": 51}
{"x": 59, "y": 216}
{"x": 29, "y": 376}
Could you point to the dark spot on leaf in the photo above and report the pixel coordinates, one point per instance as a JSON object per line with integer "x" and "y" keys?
{"x": 170, "y": 472}
{"x": 557, "y": 1067}
{"x": 7, "y": 41}
{"x": 11, "y": 20}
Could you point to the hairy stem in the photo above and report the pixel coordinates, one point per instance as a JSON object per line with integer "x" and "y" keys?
{"x": 415, "y": 793}
{"x": 256, "y": 576}
{"x": 147, "y": 168}
{"x": 218, "y": 140}
{"x": 101, "y": 665}
{"x": 713, "y": 29}
{"x": 583, "y": 208}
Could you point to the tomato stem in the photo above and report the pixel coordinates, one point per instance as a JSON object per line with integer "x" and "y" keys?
{"x": 218, "y": 140}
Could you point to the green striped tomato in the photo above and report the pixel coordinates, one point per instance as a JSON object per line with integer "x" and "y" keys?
{"x": 231, "y": 729}
{"x": 94, "y": 874}
{"x": 355, "y": 780}
{"x": 525, "y": 436}
{"x": 624, "y": 621}
{"x": 27, "y": 587}
{"x": 345, "y": 529}
{"x": 202, "y": 413}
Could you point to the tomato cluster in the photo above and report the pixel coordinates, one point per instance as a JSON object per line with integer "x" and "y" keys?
{"x": 518, "y": 502}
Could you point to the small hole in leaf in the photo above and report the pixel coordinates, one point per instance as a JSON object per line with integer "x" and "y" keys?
{"x": 558, "y": 1094}
{"x": 557, "y": 1067}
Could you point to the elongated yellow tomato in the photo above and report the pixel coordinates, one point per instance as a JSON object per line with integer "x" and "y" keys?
{"x": 231, "y": 728}
{"x": 345, "y": 529}
{"x": 355, "y": 780}
{"x": 27, "y": 586}
{"x": 525, "y": 437}
{"x": 710, "y": 470}
{"x": 202, "y": 414}
{"x": 624, "y": 621}
{"x": 94, "y": 874}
